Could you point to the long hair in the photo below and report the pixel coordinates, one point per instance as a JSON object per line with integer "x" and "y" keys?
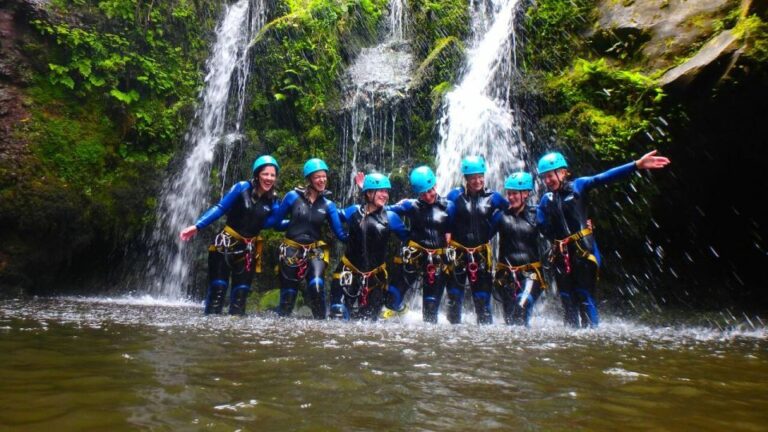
{"x": 271, "y": 194}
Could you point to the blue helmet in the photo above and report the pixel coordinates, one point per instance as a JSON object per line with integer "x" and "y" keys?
{"x": 314, "y": 165}
{"x": 376, "y": 181}
{"x": 551, "y": 161}
{"x": 422, "y": 179}
{"x": 472, "y": 165}
{"x": 265, "y": 160}
{"x": 519, "y": 181}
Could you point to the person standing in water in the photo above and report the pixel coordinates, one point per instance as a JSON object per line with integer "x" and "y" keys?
{"x": 471, "y": 232}
{"x": 562, "y": 216}
{"x": 303, "y": 256}
{"x": 430, "y": 218}
{"x": 518, "y": 269}
{"x": 360, "y": 280}
{"x": 236, "y": 251}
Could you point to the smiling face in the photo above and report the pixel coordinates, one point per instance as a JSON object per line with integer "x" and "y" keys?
{"x": 378, "y": 197}
{"x": 318, "y": 180}
{"x": 554, "y": 179}
{"x": 517, "y": 198}
{"x": 429, "y": 196}
{"x": 267, "y": 178}
{"x": 475, "y": 182}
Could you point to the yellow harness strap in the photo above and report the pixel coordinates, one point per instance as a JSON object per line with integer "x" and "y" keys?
{"x": 559, "y": 244}
{"x": 347, "y": 263}
{"x": 534, "y": 266}
{"x": 316, "y": 245}
{"x": 257, "y": 241}
{"x": 485, "y": 247}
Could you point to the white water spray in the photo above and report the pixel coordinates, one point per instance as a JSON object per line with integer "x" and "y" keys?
{"x": 378, "y": 82}
{"x": 215, "y": 129}
{"x": 478, "y": 118}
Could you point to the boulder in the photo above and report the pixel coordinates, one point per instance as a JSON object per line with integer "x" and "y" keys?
{"x": 713, "y": 60}
{"x": 660, "y": 30}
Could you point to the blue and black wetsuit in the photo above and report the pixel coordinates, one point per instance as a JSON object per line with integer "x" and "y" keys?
{"x": 236, "y": 251}
{"x": 518, "y": 270}
{"x": 562, "y": 217}
{"x": 303, "y": 256}
{"x": 360, "y": 280}
{"x": 424, "y": 256}
{"x": 470, "y": 237}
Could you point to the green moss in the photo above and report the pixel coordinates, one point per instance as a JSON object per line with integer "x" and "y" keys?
{"x": 753, "y": 31}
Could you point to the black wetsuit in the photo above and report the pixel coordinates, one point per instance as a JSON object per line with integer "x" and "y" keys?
{"x": 360, "y": 280}
{"x": 303, "y": 257}
{"x": 518, "y": 271}
{"x": 470, "y": 236}
{"x": 424, "y": 258}
{"x": 232, "y": 257}
{"x": 562, "y": 216}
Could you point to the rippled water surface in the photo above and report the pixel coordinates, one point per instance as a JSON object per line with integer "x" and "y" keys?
{"x": 121, "y": 364}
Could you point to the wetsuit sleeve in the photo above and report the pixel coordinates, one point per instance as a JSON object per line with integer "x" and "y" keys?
{"x": 346, "y": 214}
{"x": 454, "y": 194}
{"x": 541, "y": 218}
{"x": 223, "y": 206}
{"x": 272, "y": 221}
{"x": 335, "y": 221}
{"x": 451, "y": 210}
{"x": 495, "y": 222}
{"x": 279, "y": 213}
{"x": 397, "y": 226}
{"x": 583, "y": 184}
{"x": 401, "y": 208}
{"x": 498, "y": 202}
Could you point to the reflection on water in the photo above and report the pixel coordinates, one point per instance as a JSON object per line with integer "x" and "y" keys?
{"x": 93, "y": 364}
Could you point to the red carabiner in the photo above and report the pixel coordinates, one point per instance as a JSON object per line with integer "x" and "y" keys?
{"x": 472, "y": 269}
{"x": 431, "y": 270}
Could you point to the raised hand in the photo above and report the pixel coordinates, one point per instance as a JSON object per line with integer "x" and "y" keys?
{"x": 651, "y": 161}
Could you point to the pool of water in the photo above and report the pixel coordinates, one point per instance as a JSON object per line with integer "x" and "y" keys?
{"x": 128, "y": 364}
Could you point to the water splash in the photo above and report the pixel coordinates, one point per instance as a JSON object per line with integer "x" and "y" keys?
{"x": 377, "y": 84}
{"x": 478, "y": 116}
{"x": 214, "y": 130}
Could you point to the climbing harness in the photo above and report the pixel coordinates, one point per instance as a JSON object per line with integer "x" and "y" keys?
{"x": 347, "y": 275}
{"x": 472, "y": 266}
{"x": 560, "y": 248}
{"x": 228, "y": 243}
{"x": 297, "y": 255}
{"x": 411, "y": 253}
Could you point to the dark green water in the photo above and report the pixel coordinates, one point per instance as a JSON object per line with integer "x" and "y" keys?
{"x": 89, "y": 364}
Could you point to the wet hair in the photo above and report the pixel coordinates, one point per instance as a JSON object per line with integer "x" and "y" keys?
{"x": 271, "y": 194}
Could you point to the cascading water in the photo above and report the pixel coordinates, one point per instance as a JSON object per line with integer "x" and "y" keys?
{"x": 214, "y": 130}
{"x": 377, "y": 84}
{"x": 478, "y": 118}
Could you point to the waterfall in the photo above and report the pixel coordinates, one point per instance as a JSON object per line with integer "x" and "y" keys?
{"x": 213, "y": 132}
{"x": 477, "y": 116}
{"x": 376, "y": 85}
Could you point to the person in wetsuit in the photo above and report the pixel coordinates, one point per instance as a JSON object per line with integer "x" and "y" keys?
{"x": 424, "y": 258}
{"x": 235, "y": 253}
{"x": 471, "y": 235}
{"x": 518, "y": 278}
{"x": 303, "y": 256}
{"x": 360, "y": 280}
{"x": 562, "y": 216}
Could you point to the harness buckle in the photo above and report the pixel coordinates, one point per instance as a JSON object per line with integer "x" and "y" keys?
{"x": 345, "y": 278}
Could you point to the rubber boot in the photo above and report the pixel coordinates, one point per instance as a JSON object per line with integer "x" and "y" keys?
{"x": 482, "y": 300}
{"x": 214, "y": 301}
{"x": 570, "y": 311}
{"x": 455, "y": 299}
{"x": 316, "y": 292}
{"x": 238, "y": 299}
{"x": 339, "y": 311}
{"x": 429, "y": 310}
{"x": 287, "y": 301}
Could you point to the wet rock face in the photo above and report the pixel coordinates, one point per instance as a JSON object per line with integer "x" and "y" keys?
{"x": 716, "y": 56}
{"x": 14, "y": 74}
{"x": 657, "y": 31}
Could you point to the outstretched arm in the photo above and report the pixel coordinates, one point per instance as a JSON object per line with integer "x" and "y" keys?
{"x": 217, "y": 211}
{"x": 335, "y": 221}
